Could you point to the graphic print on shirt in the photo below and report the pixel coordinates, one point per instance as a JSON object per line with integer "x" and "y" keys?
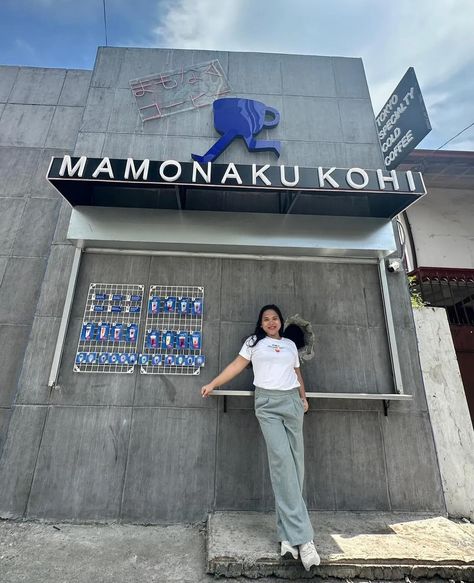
{"x": 276, "y": 347}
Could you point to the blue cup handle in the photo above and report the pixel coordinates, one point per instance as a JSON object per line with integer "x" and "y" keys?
{"x": 271, "y": 122}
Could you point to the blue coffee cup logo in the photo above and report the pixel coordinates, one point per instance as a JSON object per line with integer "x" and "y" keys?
{"x": 241, "y": 118}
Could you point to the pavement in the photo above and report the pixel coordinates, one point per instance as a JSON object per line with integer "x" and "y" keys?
{"x": 240, "y": 545}
{"x": 367, "y": 545}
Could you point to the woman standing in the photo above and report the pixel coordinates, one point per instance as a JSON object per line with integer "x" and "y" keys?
{"x": 280, "y": 403}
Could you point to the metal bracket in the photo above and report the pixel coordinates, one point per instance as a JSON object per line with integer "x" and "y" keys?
{"x": 180, "y": 197}
{"x": 287, "y": 201}
{"x": 293, "y": 198}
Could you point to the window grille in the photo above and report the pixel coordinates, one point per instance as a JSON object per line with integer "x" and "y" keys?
{"x": 452, "y": 289}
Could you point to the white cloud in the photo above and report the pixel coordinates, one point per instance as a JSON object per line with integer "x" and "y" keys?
{"x": 200, "y": 24}
{"x": 436, "y": 38}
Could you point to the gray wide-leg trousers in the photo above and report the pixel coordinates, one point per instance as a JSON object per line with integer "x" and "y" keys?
{"x": 280, "y": 414}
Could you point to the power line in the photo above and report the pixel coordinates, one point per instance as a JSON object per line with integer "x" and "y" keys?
{"x": 451, "y": 139}
{"x": 105, "y": 24}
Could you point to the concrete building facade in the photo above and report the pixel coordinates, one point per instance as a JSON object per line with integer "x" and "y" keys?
{"x": 148, "y": 448}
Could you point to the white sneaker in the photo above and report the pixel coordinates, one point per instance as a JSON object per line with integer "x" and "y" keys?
{"x": 287, "y": 549}
{"x": 309, "y": 555}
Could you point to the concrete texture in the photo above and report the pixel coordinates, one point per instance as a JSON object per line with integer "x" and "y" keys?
{"x": 356, "y": 120}
{"x": 149, "y": 449}
{"x": 27, "y": 226}
{"x": 353, "y": 452}
{"x": 294, "y": 125}
{"x": 97, "y": 110}
{"x": 412, "y": 468}
{"x": 20, "y": 289}
{"x": 312, "y": 93}
{"x": 5, "y": 414}
{"x": 8, "y": 76}
{"x": 366, "y": 545}
{"x": 18, "y": 461}
{"x": 307, "y": 76}
{"x": 104, "y": 554}
{"x": 17, "y": 166}
{"x": 25, "y": 125}
{"x": 350, "y": 77}
{"x": 167, "y": 475}
{"x": 36, "y": 228}
{"x": 38, "y": 86}
{"x": 62, "y": 224}
{"x": 11, "y": 210}
{"x": 90, "y": 142}
{"x": 449, "y": 413}
{"x": 64, "y": 127}
{"x": 79, "y": 471}
{"x": 39, "y": 106}
{"x": 13, "y": 340}
{"x": 162, "y": 554}
{"x": 75, "y": 87}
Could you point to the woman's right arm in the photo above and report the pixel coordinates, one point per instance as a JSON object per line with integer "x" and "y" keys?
{"x": 230, "y": 371}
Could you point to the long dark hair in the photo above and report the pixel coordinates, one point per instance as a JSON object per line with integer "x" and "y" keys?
{"x": 258, "y": 332}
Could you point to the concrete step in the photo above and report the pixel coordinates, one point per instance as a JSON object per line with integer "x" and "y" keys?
{"x": 368, "y": 545}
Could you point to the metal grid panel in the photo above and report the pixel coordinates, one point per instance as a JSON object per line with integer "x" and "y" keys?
{"x": 106, "y": 342}
{"x": 159, "y": 321}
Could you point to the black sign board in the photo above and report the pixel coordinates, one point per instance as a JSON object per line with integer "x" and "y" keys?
{"x": 135, "y": 183}
{"x": 403, "y": 121}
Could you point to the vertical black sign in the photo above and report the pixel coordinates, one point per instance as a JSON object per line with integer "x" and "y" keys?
{"x": 403, "y": 121}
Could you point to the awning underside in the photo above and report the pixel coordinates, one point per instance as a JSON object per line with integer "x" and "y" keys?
{"x": 355, "y": 204}
{"x": 231, "y": 232}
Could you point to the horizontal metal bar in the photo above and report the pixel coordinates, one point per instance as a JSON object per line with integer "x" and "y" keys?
{"x": 354, "y": 396}
{"x": 324, "y": 259}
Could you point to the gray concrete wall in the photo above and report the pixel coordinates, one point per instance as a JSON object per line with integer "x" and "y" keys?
{"x": 148, "y": 448}
{"x": 449, "y": 412}
{"x": 40, "y": 115}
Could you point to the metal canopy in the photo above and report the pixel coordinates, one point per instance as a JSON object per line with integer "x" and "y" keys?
{"x": 231, "y": 232}
{"x": 235, "y": 188}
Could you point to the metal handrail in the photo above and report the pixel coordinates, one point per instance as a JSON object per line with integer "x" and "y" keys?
{"x": 317, "y": 395}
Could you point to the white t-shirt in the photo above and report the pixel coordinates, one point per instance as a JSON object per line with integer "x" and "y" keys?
{"x": 274, "y": 362}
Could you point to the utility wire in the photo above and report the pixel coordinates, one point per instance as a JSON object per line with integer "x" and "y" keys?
{"x": 105, "y": 24}
{"x": 451, "y": 139}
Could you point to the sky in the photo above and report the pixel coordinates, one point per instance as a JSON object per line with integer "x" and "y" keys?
{"x": 436, "y": 37}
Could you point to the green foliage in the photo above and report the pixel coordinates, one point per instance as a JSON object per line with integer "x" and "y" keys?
{"x": 415, "y": 294}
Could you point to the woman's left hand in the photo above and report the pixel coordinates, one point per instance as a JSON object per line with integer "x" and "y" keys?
{"x": 305, "y": 404}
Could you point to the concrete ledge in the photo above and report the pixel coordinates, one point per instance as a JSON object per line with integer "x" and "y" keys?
{"x": 369, "y": 545}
